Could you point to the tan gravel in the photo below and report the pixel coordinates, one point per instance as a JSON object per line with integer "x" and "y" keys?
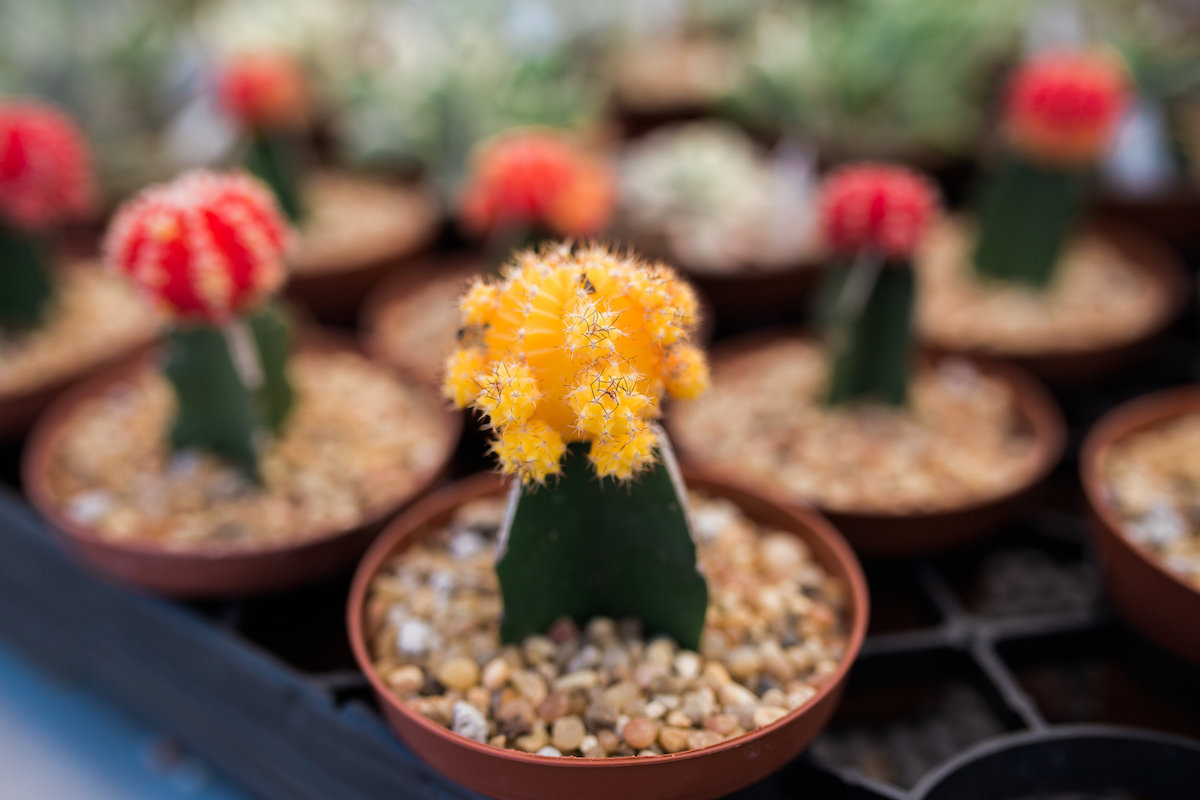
{"x": 96, "y": 316}
{"x": 356, "y": 444}
{"x": 353, "y": 221}
{"x": 960, "y": 440}
{"x": 1098, "y": 298}
{"x": 1153, "y": 482}
{"x": 775, "y": 632}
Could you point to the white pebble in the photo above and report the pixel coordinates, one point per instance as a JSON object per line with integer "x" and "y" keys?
{"x": 415, "y": 637}
{"x": 90, "y": 507}
{"x": 1160, "y": 526}
{"x": 469, "y": 721}
{"x": 709, "y": 522}
{"x": 549, "y": 751}
{"x": 467, "y": 543}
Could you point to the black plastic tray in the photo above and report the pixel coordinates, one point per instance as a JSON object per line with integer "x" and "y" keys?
{"x": 996, "y": 673}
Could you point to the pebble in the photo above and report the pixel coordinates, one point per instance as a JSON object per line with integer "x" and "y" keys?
{"x": 703, "y": 738}
{"x": 468, "y": 721}
{"x": 765, "y": 715}
{"x": 459, "y": 673}
{"x": 602, "y": 713}
{"x": 583, "y": 679}
{"x": 406, "y": 679}
{"x": 515, "y": 717}
{"x": 688, "y": 665}
{"x": 654, "y": 709}
{"x": 530, "y": 684}
{"x": 554, "y": 706}
{"x": 549, "y": 751}
{"x": 724, "y": 724}
{"x": 495, "y": 674}
{"x": 679, "y": 720}
{"x": 640, "y": 732}
{"x": 590, "y": 747}
{"x": 534, "y": 740}
{"x": 673, "y": 740}
{"x": 608, "y": 740}
{"x": 567, "y": 733}
{"x": 415, "y": 637}
{"x": 743, "y": 662}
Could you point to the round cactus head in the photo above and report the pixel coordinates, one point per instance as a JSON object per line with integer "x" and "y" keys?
{"x": 876, "y": 208}
{"x": 1062, "y": 108}
{"x": 205, "y": 246}
{"x": 265, "y": 91}
{"x": 45, "y": 167}
{"x": 575, "y": 346}
{"x": 537, "y": 179}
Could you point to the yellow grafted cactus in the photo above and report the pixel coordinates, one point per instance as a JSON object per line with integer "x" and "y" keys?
{"x": 575, "y": 345}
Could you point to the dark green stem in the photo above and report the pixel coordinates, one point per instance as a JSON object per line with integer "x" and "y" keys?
{"x": 1027, "y": 212}
{"x": 26, "y": 287}
{"x": 276, "y": 159}
{"x": 584, "y": 547}
{"x": 226, "y": 405}
{"x": 867, "y": 326}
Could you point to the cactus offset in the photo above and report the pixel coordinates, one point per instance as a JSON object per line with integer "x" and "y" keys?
{"x": 872, "y": 218}
{"x": 45, "y": 180}
{"x": 1061, "y": 111}
{"x": 267, "y": 93}
{"x": 208, "y": 248}
{"x": 569, "y": 356}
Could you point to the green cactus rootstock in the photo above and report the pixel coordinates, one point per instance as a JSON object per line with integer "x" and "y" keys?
{"x": 869, "y": 336}
{"x": 217, "y": 412}
{"x": 582, "y": 547}
{"x": 26, "y": 288}
{"x": 275, "y": 159}
{"x": 1027, "y": 212}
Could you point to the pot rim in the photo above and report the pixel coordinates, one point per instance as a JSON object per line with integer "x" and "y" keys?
{"x": 47, "y": 433}
{"x": 1133, "y": 416}
{"x": 413, "y": 523}
{"x": 1033, "y": 401}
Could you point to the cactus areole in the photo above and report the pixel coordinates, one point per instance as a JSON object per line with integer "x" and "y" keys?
{"x": 1059, "y": 118}
{"x": 268, "y": 94}
{"x": 873, "y": 217}
{"x": 208, "y": 248}
{"x": 45, "y": 180}
{"x": 568, "y": 355}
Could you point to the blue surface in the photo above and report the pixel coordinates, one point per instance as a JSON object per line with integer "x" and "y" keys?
{"x": 59, "y": 741}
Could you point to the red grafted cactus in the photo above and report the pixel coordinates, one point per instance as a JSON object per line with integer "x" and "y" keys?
{"x": 1063, "y": 107}
{"x": 206, "y": 246}
{"x": 265, "y": 91}
{"x": 876, "y": 208}
{"x": 45, "y": 167}
{"x": 540, "y": 180}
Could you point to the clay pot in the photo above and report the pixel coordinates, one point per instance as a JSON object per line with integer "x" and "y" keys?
{"x": 1170, "y": 214}
{"x": 216, "y": 570}
{"x": 332, "y": 291}
{"x": 710, "y": 772}
{"x": 1160, "y": 603}
{"x": 752, "y": 298}
{"x": 1068, "y": 367}
{"x": 882, "y": 534}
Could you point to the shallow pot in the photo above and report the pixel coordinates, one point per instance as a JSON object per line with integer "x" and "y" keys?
{"x": 1067, "y": 367}
{"x": 709, "y": 772}
{"x": 913, "y": 533}
{"x": 215, "y": 570}
{"x": 1160, "y": 603}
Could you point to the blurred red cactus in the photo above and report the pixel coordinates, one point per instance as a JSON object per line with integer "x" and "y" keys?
{"x": 205, "y": 246}
{"x": 537, "y": 178}
{"x": 1063, "y": 107}
{"x": 876, "y": 207}
{"x": 45, "y": 166}
{"x": 265, "y": 91}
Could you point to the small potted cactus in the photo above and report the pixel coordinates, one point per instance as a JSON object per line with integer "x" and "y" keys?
{"x": 523, "y": 186}
{"x": 903, "y": 453}
{"x": 1031, "y": 283}
{"x": 60, "y": 318}
{"x": 241, "y": 463}
{"x": 1140, "y": 471}
{"x": 737, "y": 220}
{"x": 585, "y": 643}
{"x": 351, "y": 229}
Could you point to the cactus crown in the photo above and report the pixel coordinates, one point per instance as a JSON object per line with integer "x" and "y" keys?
{"x": 265, "y": 91}
{"x": 206, "y": 246}
{"x": 1062, "y": 108}
{"x": 575, "y": 346}
{"x": 877, "y": 208}
{"x": 45, "y": 167}
{"x": 537, "y": 179}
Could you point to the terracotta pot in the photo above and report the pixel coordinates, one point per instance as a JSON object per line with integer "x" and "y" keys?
{"x": 710, "y": 772}
{"x": 1170, "y": 214}
{"x": 913, "y": 533}
{"x": 333, "y": 292}
{"x": 1063, "y": 367}
{"x": 215, "y": 570}
{"x": 1159, "y": 602}
{"x": 457, "y": 269}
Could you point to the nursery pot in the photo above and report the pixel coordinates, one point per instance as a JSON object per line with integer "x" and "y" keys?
{"x": 215, "y": 570}
{"x": 1160, "y": 603}
{"x": 911, "y": 533}
{"x": 1067, "y": 367}
{"x": 709, "y": 772}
